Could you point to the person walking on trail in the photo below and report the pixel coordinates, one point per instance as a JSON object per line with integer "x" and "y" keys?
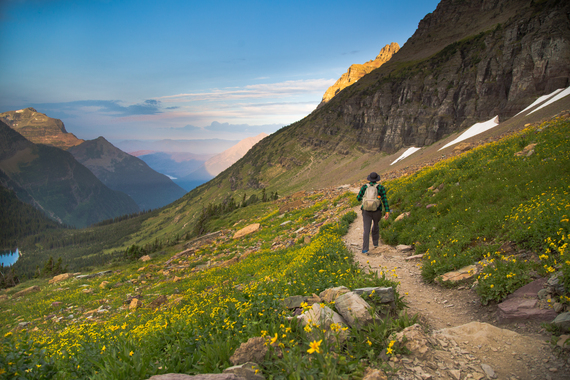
{"x": 373, "y": 197}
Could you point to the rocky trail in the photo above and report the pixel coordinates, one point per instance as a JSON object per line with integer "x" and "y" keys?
{"x": 465, "y": 339}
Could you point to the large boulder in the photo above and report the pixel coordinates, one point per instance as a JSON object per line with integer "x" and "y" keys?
{"x": 523, "y": 305}
{"x": 246, "y": 371}
{"x": 562, "y": 321}
{"x": 247, "y": 230}
{"x": 61, "y": 277}
{"x": 331, "y": 294}
{"x": 253, "y": 350}
{"x": 355, "y": 310}
{"x": 322, "y": 318}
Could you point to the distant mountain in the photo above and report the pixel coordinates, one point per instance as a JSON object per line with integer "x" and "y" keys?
{"x": 39, "y": 128}
{"x": 205, "y": 146}
{"x": 228, "y": 157}
{"x": 217, "y": 164}
{"x": 122, "y": 172}
{"x": 357, "y": 71}
{"x": 174, "y": 165}
{"x": 53, "y": 181}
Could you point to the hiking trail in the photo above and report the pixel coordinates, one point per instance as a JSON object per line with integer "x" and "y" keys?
{"x": 524, "y": 354}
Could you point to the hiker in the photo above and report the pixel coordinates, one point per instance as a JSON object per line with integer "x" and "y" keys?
{"x": 373, "y": 196}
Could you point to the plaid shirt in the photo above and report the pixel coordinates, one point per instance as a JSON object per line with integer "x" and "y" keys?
{"x": 381, "y": 194}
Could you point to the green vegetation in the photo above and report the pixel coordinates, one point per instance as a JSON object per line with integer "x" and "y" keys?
{"x": 485, "y": 198}
{"x": 208, "y": 311}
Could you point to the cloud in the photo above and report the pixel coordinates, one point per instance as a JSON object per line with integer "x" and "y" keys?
{"x": 269, "y": 90}
{"x": 227, "y": 127}
{"x": 109, "y": 107}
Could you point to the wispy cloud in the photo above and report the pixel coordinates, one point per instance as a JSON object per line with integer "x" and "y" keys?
{"x": 269, "y": 90}
{"x": 109, "y": 107}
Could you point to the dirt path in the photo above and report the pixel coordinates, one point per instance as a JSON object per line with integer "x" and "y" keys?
{"x": 526, "y": 354}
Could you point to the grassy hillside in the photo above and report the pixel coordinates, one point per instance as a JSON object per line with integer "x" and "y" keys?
{"x": 476, "y": 207}
{"x": 200, "y": 306}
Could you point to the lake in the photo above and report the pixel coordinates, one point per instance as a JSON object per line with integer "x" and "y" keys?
{"x": 8, "y": 257}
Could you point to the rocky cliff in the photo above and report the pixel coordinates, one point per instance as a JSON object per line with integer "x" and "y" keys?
{"x": 467, "y": 62}
{"x": 357, "y": 71}
{"x": 39, "y": 128}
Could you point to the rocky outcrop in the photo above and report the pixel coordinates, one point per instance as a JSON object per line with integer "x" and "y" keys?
{"x": 357, "y": 71}
{"x": 39, "y": 128}
{"x": 467, "y": 62}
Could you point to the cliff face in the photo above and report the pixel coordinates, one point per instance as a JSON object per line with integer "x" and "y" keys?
{"x": 467, "y": 62}
{"x": 357, "y": 71}
{"x": 39, "y": 128}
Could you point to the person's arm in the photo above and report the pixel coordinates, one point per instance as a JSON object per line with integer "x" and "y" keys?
{"x": 384, "y": 198}
{"x": 361, "y": 193}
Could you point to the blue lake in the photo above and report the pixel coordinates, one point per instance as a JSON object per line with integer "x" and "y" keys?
{"x": 8, "y": 257}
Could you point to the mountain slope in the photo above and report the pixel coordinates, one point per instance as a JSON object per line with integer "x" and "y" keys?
{"x": 39, "y": 128}
{"x": 52, "y": 180}
{"x": 123, "y": 172}
{"x": 467, "y": 62}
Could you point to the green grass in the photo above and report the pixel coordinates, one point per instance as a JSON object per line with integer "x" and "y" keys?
{"x": 209, "y": 313}
{"x": 487, "y": 197}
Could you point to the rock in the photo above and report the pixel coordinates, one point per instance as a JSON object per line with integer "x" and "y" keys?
{"x": 383, "y": 295}
{"x": 84, "y": 276}
{"x": 404, "y": 248}
{"x": 355, "y": 310}
{"x": 564, "y": 342}
{"x": 61, "y": 277}
{"x": 527, "y": 151}
{"x": 247, "y": 230}
{"x": 488, "y": 370}
{"x": 31, "y": 289}
{"x": 402, "y": 216}
{"x": 431, "y": 205}
{"x": 156, "y": 302}
{"x": 176, "y": 279}
{"x": 290, "y": 206}
{"x": 206, "y": 376}
{"x": 307, "y": 240}
{"x": 414, "y": 257}
{"x": 462, "y": 147}
{"x": 374, "y": 374}
{"x": 455, "y": 373}
{"x": 253, "y": 350}
{"x": 555, "y": 285}
{"x": 558, "y": 307}
{"x": 542, "y": 294}
{"x": 103, "y": 284}
{"x": 463, "y": 274}
{"x": 562, "y": 321}
{"x": 523, "y": 304}
{"x": 145, "y": 258}
{"x": 246, "y": 371}
{"x": 415, "y": 340}
{"x": 322, "y": 318}
{"x": 135, "y": 304}
{"x": 331, "y": 294}
{"x": 293, "y": 302}
{"x": 3, "y": 297}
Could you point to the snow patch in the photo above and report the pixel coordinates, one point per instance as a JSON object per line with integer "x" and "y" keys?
{"x": 171, "y": 177}
{"x": 475, "y": 130}
{"x": 407, "y": 153}
{"x": 555, "y": 99}
{"x": 540, "y": 100}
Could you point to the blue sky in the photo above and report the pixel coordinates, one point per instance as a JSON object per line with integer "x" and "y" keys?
{"x": 187, "y": 69}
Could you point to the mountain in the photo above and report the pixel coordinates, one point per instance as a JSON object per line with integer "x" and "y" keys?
{"x": 357, "y": 71}
{"x": 228, "y": 157}
{"x": 122, "y": 172}
{"x": 53, "y": 181}
{"x": 468, "y": 62}
{"x": 174, "y": 165}
{"x": 217, "y": 164}
{"x": 39, "y": 128}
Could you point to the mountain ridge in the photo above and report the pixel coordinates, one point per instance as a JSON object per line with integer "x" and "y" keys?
{"x": 122, "y": 172}
{"x": 39, "y": 128}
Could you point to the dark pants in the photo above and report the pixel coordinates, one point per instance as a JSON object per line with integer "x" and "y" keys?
{"x": 368, "y": 217}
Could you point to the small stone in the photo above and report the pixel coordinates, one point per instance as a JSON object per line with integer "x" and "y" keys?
{"x": 135, "y": 304}
{"x": 488, "y": 370}
{"x": 103, "y": 284}
{"x": 455, "y": 373}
